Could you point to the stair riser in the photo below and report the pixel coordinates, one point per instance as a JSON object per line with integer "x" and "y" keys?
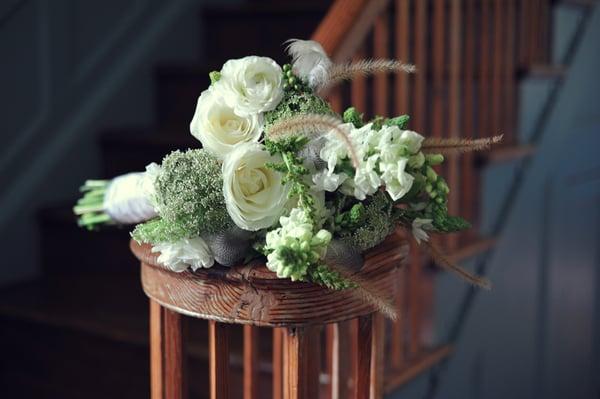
{"x": 41, "y": 361}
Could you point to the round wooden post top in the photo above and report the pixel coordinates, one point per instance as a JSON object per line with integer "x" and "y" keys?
{"x": 251, "y": 294}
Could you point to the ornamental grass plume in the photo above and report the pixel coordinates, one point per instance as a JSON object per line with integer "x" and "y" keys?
{"x": 313, "y": 125}
{"x": 349, "y": 70}
{"x": 442, "y": 261}
{"x": 368, "y": 292}
{"x": 457, "y": 145}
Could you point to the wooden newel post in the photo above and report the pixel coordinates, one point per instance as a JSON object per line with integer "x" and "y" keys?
{"x": 297, "y": 312}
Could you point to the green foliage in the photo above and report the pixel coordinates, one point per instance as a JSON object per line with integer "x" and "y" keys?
{"x": 351, "y": 219}
{"x": 351, "y": 115}
{"x": 294, "y": 170}
{"x": 400, "y": 121}
{"x": 158, "y": 230}
{"x": 189, "y": 193}
{"x": 443, "y": 222}
{"x": 323, "y": 275}
{"x": 377, "y": 224}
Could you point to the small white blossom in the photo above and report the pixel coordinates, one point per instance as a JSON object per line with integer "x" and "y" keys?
{"x": 325, "y": 180}
{"x": 419, "y": 227}
{"x": 295, "y": 234}
{"x": 187, "y": 252}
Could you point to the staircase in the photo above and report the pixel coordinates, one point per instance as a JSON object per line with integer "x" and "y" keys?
{"x": 65, "y": 338}
{"x": 62, "y": 336}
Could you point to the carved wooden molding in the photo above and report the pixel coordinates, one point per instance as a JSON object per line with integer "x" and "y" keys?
{"x": 251, "y": 294}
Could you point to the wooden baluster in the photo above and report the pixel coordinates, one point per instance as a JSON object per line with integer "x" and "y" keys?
{"x": 298, "y": 376}
{"x": 166, "y": 354}
{"x": 468, "y": 174}
{"x": 339, "y": 362}
{"x": 497, "y": 68}
{"x": 251, "y": 362}
{"x": 277, "y": 363}
{"x": 218, "y": 353}
{"x": 358, "y": 87}
{"x": 364, "y": 340}
{"x": 420, "y": 51}
{"x": 398, "y": 335}
{"x": 402, "y": 46}
{"x": 510, "y": 70}
{"x": 377, "y": 372}
{"x": 414, "y": 300}
{"x": 454, "y": 109}
{"x": 380, "y": 50}
{"x": 335, "y": 99}
{"x": 402, "y": 106}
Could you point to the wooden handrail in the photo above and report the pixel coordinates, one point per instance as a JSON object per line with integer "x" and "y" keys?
{"x": 346, "y": 25}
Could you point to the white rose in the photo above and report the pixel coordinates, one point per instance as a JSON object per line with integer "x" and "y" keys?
{"x": 254, "y": 194}
{"x": 179, "y": 255}
{"x": 251, "y": 85}
{"x": 219, "y": 128}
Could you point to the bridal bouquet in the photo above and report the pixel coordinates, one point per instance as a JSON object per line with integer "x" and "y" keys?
{"x": 281, "y": 175}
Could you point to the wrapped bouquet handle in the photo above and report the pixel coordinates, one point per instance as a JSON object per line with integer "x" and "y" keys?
{"x": 254, "y": 296}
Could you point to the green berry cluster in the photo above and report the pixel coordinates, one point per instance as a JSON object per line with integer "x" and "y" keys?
{"x": 291, "y": 81}
{"x": 377, "y": 224}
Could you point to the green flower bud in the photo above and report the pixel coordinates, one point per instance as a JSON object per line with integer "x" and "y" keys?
{"x": 431, "y": 175}
{"x": 434, "y": 159}
{"x": 214, "y": 77}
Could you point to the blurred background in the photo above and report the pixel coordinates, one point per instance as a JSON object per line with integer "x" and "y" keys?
{"x": 93, "y": 89}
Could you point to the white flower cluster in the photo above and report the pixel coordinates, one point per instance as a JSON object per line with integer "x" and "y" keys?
{"x": 384, "y": 156}
{"x": 295, "y": 246}
{"x": 231, "y": 110}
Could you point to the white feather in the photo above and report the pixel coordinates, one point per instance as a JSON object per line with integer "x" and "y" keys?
{"x": 309, "y": 61}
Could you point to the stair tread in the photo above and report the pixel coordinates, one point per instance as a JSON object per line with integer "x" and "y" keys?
{"x": 545, "y": 71}
{"x": 473, "y": 248}
{"x": 111, "y": 305}
{"x": 506, "y": 153}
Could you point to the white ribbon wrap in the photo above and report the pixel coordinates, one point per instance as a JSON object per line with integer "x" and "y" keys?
{"x": 127, "y": 199}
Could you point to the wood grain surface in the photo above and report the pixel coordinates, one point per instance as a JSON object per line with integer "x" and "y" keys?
{"x": 251, "y": 294}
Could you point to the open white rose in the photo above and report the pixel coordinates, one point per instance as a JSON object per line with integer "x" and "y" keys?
{"x": 254, "y": 194}
{"x": 219, "y": 128}
{"x": 251, "y": 85}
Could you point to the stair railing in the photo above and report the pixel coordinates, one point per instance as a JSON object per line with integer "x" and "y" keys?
{"x": 468, "y": 54}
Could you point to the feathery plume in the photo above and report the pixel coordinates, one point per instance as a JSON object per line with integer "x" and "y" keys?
{"x": 313, "y": 125}
{"x": 348, "y": 70}
{"x": 442, "y": 261}
{"x": 368, "y": 293}
{"x": 458, "y": 145}
{"x": 309, "y": 61}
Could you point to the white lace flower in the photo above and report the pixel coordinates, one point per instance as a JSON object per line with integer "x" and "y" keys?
{"x": 188, "y": 252}
{"x": 219, "y": 128}
{"x": 254, "y": 194}
{"x": 419, "y": 227}
{"x": 251, "y": 85}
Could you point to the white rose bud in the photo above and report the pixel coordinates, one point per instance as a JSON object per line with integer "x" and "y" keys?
{"x": 254, "y": 194}
{"x": 219, "y": 128}
{"x": 251, "y": 85}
